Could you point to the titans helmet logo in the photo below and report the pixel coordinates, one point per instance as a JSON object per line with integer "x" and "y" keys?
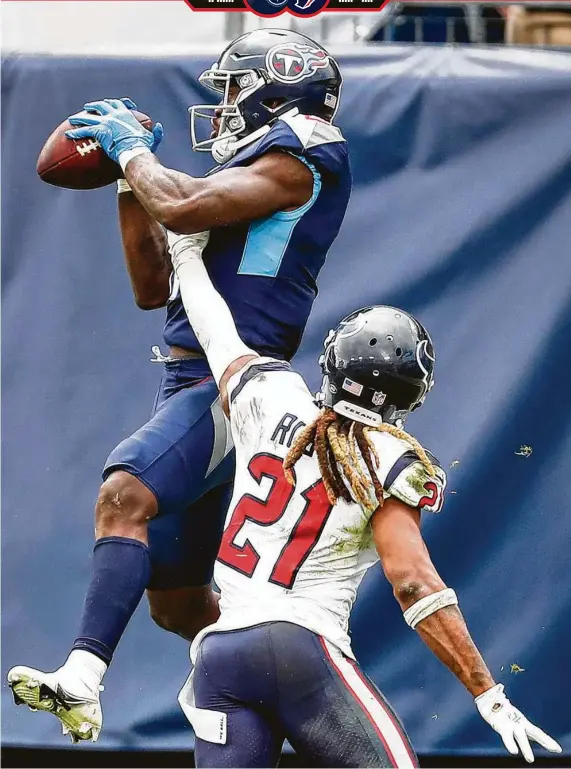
{"x": 294, "y": 62}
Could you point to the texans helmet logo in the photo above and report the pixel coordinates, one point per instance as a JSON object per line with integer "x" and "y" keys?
{"x": 307, "y": 7}
{"x": 293, "y": 62}
{"x": 425, "y": 360}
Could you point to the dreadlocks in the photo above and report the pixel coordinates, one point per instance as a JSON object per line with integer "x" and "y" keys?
{"x": 338, "y": 443}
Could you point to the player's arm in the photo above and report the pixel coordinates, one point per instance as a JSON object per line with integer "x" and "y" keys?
{"x": 430, "y": 608}
{"x": 208, "y": 313}
{"x": 146, "y": 256}
{"x": 412, "y": 575}
{"x": 182, "y": 203}
{"x": 186, "y": 205}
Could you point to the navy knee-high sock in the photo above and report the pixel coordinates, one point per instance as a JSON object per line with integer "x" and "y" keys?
{"x": 121, "y": 572}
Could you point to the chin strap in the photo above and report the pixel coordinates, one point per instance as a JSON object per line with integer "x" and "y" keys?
{"x": 225, "y": 148}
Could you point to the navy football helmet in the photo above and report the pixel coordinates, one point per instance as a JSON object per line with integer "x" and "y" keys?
{"x": 274, "y": 71}
{"x": 378, "y": 366}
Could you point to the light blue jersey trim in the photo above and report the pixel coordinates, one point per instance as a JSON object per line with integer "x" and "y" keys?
{"x": 268, "y": 239}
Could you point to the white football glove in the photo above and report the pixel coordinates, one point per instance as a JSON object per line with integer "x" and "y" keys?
{"x": 512, "y": 726}
{"x": 184, "y": 248}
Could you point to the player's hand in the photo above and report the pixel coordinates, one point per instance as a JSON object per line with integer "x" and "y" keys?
{"x": 512, "y": 726}
{"x": 111, "y": 123}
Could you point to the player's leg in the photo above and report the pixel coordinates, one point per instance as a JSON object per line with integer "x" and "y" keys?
{"x": 184, "y": 611}
{"x": 121, "y": 570}
{"x": 160, "y": 467}
{"x": 253, "y": 744}
{"x": 332, "y": 713}
{"x": 183, "y": 457}
{"x": 184, "y": 549}
{"x": 233, "y": 676}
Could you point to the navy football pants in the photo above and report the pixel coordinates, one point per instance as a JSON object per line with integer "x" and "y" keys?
{"x": 184, "y": 455}
{"x": 280, "y": 681}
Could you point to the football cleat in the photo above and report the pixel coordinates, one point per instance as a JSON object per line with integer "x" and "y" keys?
{"x": 80, "y": 715}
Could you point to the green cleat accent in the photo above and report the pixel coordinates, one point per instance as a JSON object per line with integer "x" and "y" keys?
{"x": 81, "y": 718}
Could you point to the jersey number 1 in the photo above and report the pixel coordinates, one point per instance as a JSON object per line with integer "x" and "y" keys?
{"x": 303, "y": 538}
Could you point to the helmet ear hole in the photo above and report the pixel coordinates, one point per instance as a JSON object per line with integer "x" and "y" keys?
{"x": 398, "y": 352}
{"x": 373, "y": 341}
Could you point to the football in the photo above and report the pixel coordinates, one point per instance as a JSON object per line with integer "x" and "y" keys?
{"x": 79, "y": 164}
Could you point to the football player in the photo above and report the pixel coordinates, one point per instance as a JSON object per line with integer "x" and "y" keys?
{"x": 274, "y": 206}
{"x": 322, "y": 491}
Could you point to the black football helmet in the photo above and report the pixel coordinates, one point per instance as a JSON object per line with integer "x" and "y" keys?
{"x": 276, "y": 71}
{"x": 377, "y": 366}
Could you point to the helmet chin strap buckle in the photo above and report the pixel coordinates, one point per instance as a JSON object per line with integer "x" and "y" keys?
{"x": 224, "y": 148}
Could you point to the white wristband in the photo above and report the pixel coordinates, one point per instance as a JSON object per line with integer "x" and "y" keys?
{"x": 428, "y": 605}
{"x": 185, "y": 248}
{"x": 486, "y": 701}
{"x": 123, "y": 186}
{"x": 128, "y": 155}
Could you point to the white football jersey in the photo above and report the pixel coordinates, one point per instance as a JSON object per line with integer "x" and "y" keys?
{"x": 287, "y": 554}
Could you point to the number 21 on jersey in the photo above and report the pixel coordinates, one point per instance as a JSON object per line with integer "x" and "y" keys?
{"x": 304, "y": 535}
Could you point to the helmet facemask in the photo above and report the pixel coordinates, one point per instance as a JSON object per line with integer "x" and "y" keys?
{"x": 232, "y": 126}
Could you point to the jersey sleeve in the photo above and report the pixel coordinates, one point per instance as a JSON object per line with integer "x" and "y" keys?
{"x": 263, "y": 387}
{"x": 254, "y": 370}
{"x": 409, "y": 480}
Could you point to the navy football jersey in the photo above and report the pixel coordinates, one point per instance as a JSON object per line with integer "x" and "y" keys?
{"x": 267, "y": 270}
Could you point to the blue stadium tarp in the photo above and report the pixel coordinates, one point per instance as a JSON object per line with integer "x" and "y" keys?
{"x": 461, "y": 214}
